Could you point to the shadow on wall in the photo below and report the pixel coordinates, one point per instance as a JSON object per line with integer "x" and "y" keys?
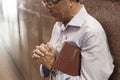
{"x": 108, "y": 13}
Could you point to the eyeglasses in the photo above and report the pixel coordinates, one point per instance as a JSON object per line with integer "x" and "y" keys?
{"x": 49, "y": 3}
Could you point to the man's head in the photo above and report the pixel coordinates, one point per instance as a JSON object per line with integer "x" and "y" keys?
{"x": 52, "y": 2}
{"x": 62, "y": 10}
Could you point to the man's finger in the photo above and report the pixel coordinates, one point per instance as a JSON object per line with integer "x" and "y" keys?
{"x": 46, "y": 47}
{"x": 37, "y": 47}
{"x": 39, "y": 52}
{"x": 42, "y": 49}
{"x": 50, "y": 47}
{"x": 35, "y": 56}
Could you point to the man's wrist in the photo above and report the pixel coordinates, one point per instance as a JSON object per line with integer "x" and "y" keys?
{"x": 53, "y": 71}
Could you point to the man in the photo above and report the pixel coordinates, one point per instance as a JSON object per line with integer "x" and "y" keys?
{"x": 75, "y": 25}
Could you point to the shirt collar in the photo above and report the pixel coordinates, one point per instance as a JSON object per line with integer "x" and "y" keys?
{"x": 79, "y": 18}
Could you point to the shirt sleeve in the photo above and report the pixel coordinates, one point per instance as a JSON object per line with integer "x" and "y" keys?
{"x": 97, "y": 62}
{"x": 44, "y": 71}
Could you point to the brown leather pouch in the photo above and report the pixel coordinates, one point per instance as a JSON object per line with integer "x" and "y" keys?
{"x": 69, "y": 60}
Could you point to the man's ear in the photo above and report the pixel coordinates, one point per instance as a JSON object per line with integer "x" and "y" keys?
{"x": 71, "y": 3}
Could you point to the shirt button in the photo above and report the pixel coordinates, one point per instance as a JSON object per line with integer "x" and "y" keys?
{"x": 66, "y": 38}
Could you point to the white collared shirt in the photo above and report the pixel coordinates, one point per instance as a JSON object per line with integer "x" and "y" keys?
{"x": 87, "y": 33}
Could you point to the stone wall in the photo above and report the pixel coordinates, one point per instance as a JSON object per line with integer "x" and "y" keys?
{"x": 35, "y": 27}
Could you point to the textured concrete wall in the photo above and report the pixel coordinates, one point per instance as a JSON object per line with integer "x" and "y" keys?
{"x": 35, "y": 28}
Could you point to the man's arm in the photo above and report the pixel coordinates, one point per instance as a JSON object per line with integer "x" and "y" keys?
{"x": 45, "y": 55}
